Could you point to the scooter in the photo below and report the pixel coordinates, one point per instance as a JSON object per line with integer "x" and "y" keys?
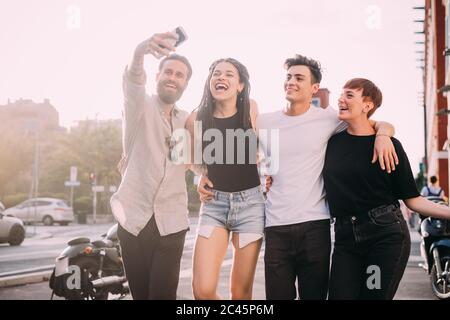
{"x": 435, "y": 250}
{"x": 88, "y": 270}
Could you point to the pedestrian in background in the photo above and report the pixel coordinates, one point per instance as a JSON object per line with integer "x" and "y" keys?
{"x": 433, "y": 190}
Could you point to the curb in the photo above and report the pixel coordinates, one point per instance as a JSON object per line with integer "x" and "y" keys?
{"x": 29, "y": 278}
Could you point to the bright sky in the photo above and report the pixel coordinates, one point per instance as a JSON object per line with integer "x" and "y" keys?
{"x": 74, "y": 52}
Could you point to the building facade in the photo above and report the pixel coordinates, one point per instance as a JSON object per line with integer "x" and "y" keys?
{"x": 436, "y": 76}
{"x": 26, "y": 116}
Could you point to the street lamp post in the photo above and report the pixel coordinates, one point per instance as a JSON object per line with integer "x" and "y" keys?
{"x": 94, "y": 195}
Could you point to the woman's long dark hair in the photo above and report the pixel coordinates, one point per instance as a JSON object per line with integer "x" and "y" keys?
{"x": 207, "y": 104}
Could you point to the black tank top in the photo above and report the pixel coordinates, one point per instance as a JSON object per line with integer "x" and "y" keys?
{"x": 233, "y": 176}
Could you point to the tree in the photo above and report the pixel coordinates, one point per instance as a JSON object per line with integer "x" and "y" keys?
{"x": 16, "y": 158}
{"x": 90, "y": 147}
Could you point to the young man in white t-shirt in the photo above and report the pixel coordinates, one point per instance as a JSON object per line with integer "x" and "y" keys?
{"x": 297, "y": 231}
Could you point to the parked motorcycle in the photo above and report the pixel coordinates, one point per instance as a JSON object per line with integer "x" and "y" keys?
{"x": 435, "y": 249}
{"x": 88, "y": 270}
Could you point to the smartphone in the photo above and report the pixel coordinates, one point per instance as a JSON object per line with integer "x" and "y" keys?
{"x": 182, "y": 36}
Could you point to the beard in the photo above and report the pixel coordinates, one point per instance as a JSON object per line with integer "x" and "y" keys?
{"x": 168, "y": 96}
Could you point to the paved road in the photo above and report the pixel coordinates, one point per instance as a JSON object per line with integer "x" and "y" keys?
{"x": 414, "y": 285}
{"x": 42, "y": 248}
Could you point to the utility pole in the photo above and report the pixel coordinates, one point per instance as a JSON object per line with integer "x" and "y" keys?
{"x": 94, "y": 198}
{"x": 73, "y": 179}
{"x": 36, "y": 177}
{"x": 95, "y": 172}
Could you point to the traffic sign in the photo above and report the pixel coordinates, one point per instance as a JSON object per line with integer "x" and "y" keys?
{"x": 72, "y": 183}
{"x": 98, "y": 189}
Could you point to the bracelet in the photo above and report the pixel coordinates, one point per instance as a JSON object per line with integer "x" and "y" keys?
{"x": 383, "y": 134}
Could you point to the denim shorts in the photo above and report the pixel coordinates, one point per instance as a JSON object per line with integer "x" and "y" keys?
{"x": 238, "y": 212}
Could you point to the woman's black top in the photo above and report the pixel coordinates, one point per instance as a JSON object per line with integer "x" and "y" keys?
{"x": 354, "y": 185}
{"x": 235, "y": 168}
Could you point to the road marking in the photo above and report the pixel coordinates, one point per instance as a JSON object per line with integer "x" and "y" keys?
{"x": 30, "y": 255}
{"x": 25, "y": 271}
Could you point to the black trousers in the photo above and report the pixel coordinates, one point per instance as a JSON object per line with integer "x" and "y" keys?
{"x": 299, "y": 252}
{"x": 370, "y": 255}
{"x": 152, "y": 262}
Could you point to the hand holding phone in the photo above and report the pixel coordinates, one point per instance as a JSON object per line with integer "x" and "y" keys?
{"x": 182, "y": 36}
{"x": 161, "y": 44}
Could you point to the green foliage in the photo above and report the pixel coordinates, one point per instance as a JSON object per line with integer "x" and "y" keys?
{"x": 14, "y": 199}
{"x": 56, "y": 195}
{"x": 82, "y": 204}
{"x": 89, "y": 147}
{"x": 91, "y": 150}
{"x": 420, "y": 179}
{"x": 193, "y": 198}
{"x": 16, "y": 154}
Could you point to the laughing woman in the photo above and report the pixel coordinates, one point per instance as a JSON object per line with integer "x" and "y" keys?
{"x": 237, "y": 206}
{"x": 371, "y": 235}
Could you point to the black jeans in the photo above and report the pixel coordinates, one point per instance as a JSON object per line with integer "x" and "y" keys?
{"x": 152, "y": 262}
{"x": 370, "y": 255}
{"x": 298, "y": 252}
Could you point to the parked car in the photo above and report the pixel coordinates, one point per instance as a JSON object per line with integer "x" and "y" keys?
{"x": 2, "y": 207}
{"x": 11, "y": 230}
{"x": 45, "y": 210}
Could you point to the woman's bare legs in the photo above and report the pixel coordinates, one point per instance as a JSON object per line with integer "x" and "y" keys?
{"x": 244, "y": 268}
{"x": 208, "y": 257}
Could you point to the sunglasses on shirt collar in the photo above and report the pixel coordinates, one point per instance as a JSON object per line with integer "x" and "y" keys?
{"x": 173, "y": 155}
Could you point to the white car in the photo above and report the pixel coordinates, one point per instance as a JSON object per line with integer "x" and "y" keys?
{"x": 45, "y": 210}
{"x": 11, "y": 230}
